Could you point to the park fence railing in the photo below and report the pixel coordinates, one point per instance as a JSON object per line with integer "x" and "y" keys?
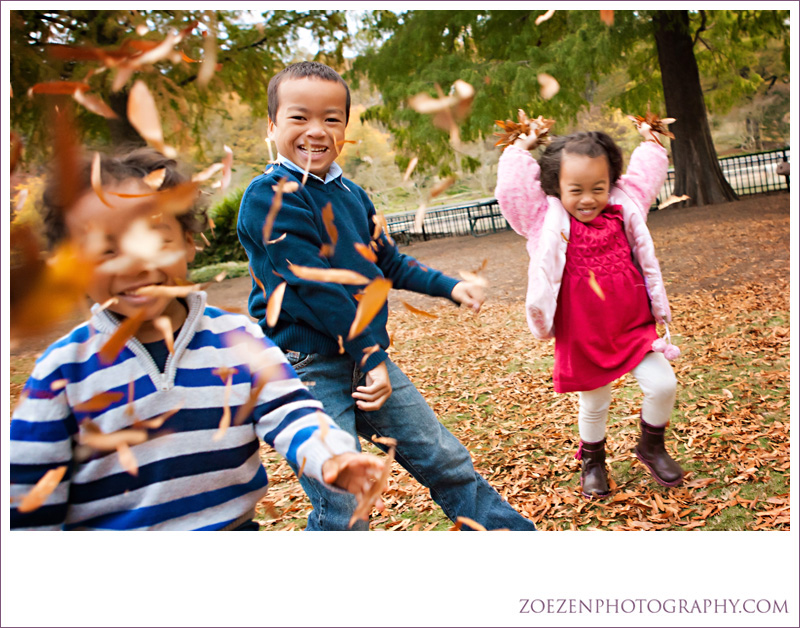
{"x": 748, "y": 174}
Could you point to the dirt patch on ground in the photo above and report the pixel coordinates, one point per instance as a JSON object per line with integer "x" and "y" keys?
{"x": 699, "y": 248}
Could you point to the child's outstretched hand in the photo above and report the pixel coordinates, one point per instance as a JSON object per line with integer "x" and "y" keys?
{"x": 355, "y": 473}
{"x": 650, "y": 125}
{"x": 469, "y": 293}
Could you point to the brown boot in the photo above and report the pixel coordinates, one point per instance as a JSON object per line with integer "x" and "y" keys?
{"x": 594, "y": 478}
{"x": 650, "y": 451}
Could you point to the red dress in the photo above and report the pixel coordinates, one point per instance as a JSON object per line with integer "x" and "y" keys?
{"x": 600, "y": 338}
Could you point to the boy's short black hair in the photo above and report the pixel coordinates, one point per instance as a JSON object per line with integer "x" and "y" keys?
{"x": 304, "y": 69}
{"x": 591, "y": 144}
{"x": 134, "y": 163}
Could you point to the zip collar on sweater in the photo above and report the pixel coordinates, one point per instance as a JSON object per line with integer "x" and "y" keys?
{"x": 105, "y": 322}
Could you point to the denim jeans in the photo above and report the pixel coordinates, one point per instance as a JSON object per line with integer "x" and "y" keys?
{"x": 425, "y": 448}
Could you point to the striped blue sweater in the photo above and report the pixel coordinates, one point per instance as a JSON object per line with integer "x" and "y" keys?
{"x": 186, "y": 479}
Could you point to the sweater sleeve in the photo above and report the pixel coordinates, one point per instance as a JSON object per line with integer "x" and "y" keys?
{"x": 646, "y": 173}
{"x": 288, "y": 417}
{"x": 42, "y": 430}
{"x": 325, "y": 306}
{"x": 519, "y": 192}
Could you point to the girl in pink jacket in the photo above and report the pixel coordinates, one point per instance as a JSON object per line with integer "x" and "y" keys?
{"x": 594, "y": 282}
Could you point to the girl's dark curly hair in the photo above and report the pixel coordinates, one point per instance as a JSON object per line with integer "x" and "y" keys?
{"x": 136, "y": 163}
{"x": 591, "y": 144}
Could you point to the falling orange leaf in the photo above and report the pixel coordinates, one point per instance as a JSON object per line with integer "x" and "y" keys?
{"x": 442, "y": 186}
{"x": 66, "y": 88}
{"x": 59, "y": 384}
{"x": 225, "y": 421}
{"x": 91, "y": 436}
{"x": 127, "y": 328}
{"x": 301, "y": 469}
{"x": 126, "y": 459}
{"x": 419, "y": 217}
{"x": 207, "y": 173}
{"x": 169, "y": 291}
{"x": 474, "y": 278}
{"x": 154, "y": 179}
{"x": 274, "y": 208}
{"x": 96, "y": 180}
{"x": 209, "y": 64}
{"x": 366, "y": 252}
{"x": 164, "y": 325}
{"x": 417, "y": 311}
{"x": 227, "y": 165}
{"x": 330, "y": 227}
{"x": 368, "y": 352}
{"x": 274, "y": 304}
{"x": 99, "y": 402}
{"x": 247, "y": 407}
{"x": 42, "y": 490}
{"x": 549, "y": 85}
{"x": 374, "y": 298}
{"x": 258, "y": 281}
{"x": 341, "y": 344}
{"x": 596, "y": 286}
{"x": 93, "y": 104}
{"x": 411, "y": 165}
{"x": 143, "y": 116}
{"x": 607, "y": 17}
{"x": 467, "y": 521}
{"x": 545, "y": 16}
{"x": 330, "y": 275}
{"x": 308, "y": 165}
{"x": 364, "y": 506}
{"x": 158, "y": 421}
{"x": 673, "y": 199}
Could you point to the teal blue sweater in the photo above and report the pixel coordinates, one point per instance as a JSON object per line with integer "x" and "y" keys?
{"x": 315, "y": 313}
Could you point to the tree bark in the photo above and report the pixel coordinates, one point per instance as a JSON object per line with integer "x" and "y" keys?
{"x": 697, "y": 170}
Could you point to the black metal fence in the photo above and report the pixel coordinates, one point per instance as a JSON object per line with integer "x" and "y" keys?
{"x": 748, "y": 174}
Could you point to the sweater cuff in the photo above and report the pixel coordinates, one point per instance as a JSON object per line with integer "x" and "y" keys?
{"x": 315, "y": 452}
{"x": 443, "y": 287}
{"x": 355, "y": 349}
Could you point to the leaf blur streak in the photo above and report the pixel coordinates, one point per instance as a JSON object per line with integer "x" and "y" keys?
{"x": 549, "y": 86}
{"x": 419, "y": 217}
{"x": 329, "y": 275}
{"x": 274, "y": 304}
{"x": 417, "y": 311}
{"x": 411, "y": 165}
{"x": 93, "y": 104}
{"x": 330, "y": 227}
{"x": 111, "y": 349}
{"x": 257, "y": 281}
{"x": 467, "y": 521}
{"x": 154, "y": 179}
{"x": 143, "y": 116}
{"x": 546, "y": 16}
{"x": 126, "y": 459}
{"x": 308, "y": 165}
{"x": 42, "y": 489}
{"x": 673, "y": 199}
{"x": 371, "y": 303}
{"x": 607, "y": 17}
{"x": 209, "y": 64}
{"x": 366, "y": 252}
{"x": 97, "y": 181}
{"x": 364, "y": 506}
{"x": 596, "y": 286}
{"x": 164, "y": 325}
{"x": 274, "y": 208}
{"x": 225, "y": 421}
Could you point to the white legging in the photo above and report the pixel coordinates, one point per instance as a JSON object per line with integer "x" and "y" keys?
{"x": 658, "y": 383}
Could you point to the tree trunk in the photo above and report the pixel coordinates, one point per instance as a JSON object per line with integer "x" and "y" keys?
{"x": 697, "y": 171}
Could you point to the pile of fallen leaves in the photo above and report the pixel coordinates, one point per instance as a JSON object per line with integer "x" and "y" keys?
{"x": 489, "y": 381}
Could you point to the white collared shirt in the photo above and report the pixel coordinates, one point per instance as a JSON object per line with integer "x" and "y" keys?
{"x": 333, "y": 172}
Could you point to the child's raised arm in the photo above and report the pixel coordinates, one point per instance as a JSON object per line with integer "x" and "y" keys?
{"x": 647, "y": 169}
{"x": 519, "y": 191}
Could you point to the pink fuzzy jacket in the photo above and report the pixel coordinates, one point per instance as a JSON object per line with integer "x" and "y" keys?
{"x": 545, "y": 223}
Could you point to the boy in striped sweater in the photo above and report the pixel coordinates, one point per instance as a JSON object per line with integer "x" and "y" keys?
{"x": 159, "y": 429}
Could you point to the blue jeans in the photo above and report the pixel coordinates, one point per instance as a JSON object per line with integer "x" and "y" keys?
{"x": 425, "y": 448}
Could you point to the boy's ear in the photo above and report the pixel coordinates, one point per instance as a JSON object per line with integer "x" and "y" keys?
{"x": 270, "y": 128}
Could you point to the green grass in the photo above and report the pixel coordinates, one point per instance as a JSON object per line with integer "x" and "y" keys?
{"x": 207, "y": 273}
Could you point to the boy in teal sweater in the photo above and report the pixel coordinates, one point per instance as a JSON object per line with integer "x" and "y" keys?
{"x": 360, "y": 387}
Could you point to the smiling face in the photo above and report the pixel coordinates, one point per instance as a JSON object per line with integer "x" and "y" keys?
{"x": 310, "y": 121}
{"x": 133, "y": 248}
{"x": 584, "y": 184}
